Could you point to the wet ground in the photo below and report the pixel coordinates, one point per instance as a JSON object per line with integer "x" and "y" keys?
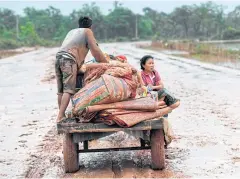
{"x": 207, "y": 124}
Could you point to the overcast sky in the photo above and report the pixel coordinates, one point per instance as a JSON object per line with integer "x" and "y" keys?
{"x": 67, "y": 7}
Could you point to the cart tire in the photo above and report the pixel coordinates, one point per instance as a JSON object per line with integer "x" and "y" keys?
{"x": 70, "y": 154}
{"x": 157, "y": 149}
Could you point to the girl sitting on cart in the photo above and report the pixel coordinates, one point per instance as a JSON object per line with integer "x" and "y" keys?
{"x": 152, "y": 80}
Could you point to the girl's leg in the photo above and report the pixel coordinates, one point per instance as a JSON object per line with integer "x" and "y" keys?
{"x": 169, "y": 99}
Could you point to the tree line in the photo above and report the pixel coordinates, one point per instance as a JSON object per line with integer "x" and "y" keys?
{"x": 207, "y": 21}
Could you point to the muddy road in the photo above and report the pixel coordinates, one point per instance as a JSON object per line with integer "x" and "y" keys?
{"x": 207, "y": 124}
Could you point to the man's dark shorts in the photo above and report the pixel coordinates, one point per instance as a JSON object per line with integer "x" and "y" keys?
{"x": 66, "y": 74}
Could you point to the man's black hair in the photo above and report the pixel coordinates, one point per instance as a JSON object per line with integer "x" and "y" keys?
{"x": 85, "y": 22}
{"x": 143, "y": 60}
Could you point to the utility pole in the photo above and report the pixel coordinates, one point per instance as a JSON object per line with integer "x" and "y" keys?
{"x": 136, "y": 27}
{"x": 115, "y": 4}
{"x": 17, "y": 29}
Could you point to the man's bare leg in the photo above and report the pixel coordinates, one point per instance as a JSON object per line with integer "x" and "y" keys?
{"x": 59, "y": 100}
{"x": 64, "y": 104}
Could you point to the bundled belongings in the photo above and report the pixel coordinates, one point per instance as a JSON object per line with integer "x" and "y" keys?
{"x": 142, "y": 104}
{"x": 106, "y": 89}
{"x": 128, "y": 118}
{"x": 109, "y": 96}
{"x": 105, "y": 83}
{"x": 117, "y": 69}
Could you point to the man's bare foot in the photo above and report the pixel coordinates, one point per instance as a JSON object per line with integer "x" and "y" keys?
{"x": 60, "y": 118}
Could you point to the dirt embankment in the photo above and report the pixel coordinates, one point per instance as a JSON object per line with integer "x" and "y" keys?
{"x": 12, "y": 52}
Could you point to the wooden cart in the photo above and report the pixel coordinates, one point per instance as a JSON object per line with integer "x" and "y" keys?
{"x": 74, "y": 133}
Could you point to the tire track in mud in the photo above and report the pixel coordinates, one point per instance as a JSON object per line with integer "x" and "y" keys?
{"x": 23, "y": 110}
{"x": 47, "y": 160}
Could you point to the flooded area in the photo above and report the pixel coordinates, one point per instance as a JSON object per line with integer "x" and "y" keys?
{"x": 206, "y": 125}
{"x": 234, "y": 47}
{"x": 231, "y": 46}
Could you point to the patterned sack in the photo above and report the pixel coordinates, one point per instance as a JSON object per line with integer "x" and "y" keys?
{"x": 106, "y": 89}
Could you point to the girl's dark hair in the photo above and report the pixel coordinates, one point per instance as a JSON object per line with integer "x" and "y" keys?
{"x": 143, "y": 60}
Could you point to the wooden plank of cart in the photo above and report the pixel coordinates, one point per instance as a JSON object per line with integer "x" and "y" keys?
{"x": 74, "y": 133}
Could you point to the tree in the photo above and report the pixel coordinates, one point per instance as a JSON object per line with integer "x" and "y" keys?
{"x": 7, "y": 24}
{"x": 153, "y": 16}
{"x": 182, "y": 17}
{"x": 28, "y": 34}
{"x": 204, "y": 21}
{"x": 234, "y": 18}
{"x": 121, "y": 22}
{"x": 8, "y": 19}
{"x": 46, "y": 22}
{"x": 145, "y": 26}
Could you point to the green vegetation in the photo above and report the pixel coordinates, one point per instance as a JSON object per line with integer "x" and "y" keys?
{"x": 48, "y": 27}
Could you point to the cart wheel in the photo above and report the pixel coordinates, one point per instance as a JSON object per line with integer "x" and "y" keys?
{"x": 157, "y": 149}
{"x": 70, "y": 154}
